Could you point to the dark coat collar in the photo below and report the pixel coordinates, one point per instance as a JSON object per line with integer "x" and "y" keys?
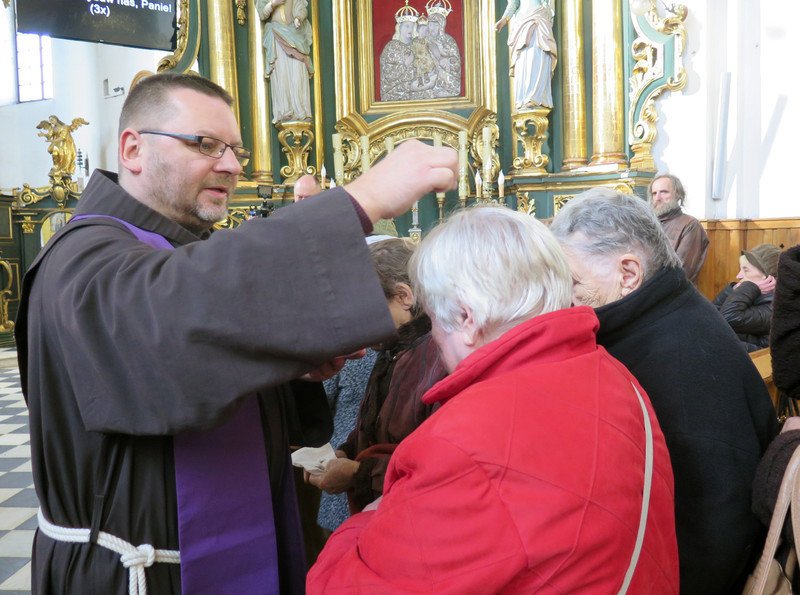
{"x": 104, "y": 196}
{"x": 666, "y": 291}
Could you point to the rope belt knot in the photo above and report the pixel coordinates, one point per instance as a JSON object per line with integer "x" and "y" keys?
{"x": 134, "y": 558}
{"x": 143, "y": 555}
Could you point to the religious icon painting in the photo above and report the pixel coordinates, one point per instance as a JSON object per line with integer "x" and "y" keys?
{"x": 422, "y": 51}
{"x": 418, "y": 49}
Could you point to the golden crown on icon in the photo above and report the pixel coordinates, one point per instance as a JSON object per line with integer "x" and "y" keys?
{"x": 406, "y": 14}
{"x": 442, "y": 7}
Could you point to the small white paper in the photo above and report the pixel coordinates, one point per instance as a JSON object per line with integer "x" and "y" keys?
{"x": 313, "y": 460}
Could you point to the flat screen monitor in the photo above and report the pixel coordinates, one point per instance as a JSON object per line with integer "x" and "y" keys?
{"x": 135, "y": 23}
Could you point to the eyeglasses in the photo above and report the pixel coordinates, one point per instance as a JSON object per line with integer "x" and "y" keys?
{"x": 208, "y": 145}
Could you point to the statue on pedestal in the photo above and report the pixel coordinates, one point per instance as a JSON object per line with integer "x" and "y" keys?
{"x": 287, "y": 57}
{"x": 533, "y": 51}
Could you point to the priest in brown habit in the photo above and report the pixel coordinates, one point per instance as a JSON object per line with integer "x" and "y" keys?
{"x": 157, "y": 357}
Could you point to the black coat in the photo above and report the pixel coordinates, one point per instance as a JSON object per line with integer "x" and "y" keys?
{"x": 716, "y": 415}
{"x": 785, "y": 333}
{"x": 748, "y": 311}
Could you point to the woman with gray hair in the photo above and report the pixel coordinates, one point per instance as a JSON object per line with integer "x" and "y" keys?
{"x": 513, "y": 485}
{"x": 710, "y": 400}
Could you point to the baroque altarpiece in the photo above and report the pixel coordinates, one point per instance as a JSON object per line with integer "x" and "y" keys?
{"x": 328, "y": 87}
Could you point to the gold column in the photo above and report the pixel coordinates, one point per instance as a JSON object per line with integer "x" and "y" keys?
{"x": 221, "y": 48}
{"x": 574, "y": 85}
{"x": 345, "y": 66}
{"x": 608, "y": 125}
{"x": 259, "y": 95}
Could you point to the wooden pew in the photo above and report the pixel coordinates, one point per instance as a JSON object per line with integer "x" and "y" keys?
{"x": 728, "y": 237}
{"x": 763, "y": 361}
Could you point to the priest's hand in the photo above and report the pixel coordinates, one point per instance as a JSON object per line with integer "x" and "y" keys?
{"x": 330, "y": 368}
{"x": 338, "y": 476}
{"x": 411, "y": 170}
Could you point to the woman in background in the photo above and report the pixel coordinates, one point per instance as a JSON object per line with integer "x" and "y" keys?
{"x": 747, "y": 304}
{"x": 392, "y": 407}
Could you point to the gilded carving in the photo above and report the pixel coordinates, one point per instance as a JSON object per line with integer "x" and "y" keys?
{"x": 525, "y": 204}
{"x": 648, "y": 71}
{"x": 476, "y": 148}
{"x": 6, "y": 325}
{"x": 28, "y": 225}
{"x": 61, "y": 189}
{"x": 236, "y": 216}
{"x": 530, "y": 132}
{"x": 61, "y": 144}
{"x": 295, "y": 139}
{"x": 559, "y": 200}
{"x": 182, "y": 43}
{"x": 241, "y": 12}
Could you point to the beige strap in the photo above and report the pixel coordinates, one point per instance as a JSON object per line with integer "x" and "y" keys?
{"x": 788, "y": 495}
{"x": 648, "y": 481}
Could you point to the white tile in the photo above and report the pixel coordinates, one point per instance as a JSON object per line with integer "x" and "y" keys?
{"x": 6, "y": 428}
{"x": 5, "y": 417}
{"x": 25, "y": 467}
{"x": 14, "y": 439}
{"x": 16, "y": 544}
{"x": 20, "y": 452}
{"x": 6, "y": 493}
{"x": 20, "y": 405}
{"x": 19, "y": 581}
{"x": 11, "y": 518}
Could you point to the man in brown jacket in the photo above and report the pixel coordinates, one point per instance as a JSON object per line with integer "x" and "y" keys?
{"x": 685, "y": 233}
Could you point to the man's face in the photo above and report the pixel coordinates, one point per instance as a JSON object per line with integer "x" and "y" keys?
{"x": 662, "y": 196}
{"x": 592, "y": 285}
{"x": 188, "y": 187}
{"x": 304, "y": 187}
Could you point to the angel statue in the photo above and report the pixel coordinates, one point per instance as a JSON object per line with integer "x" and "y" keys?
{"x": 62, "y": 145}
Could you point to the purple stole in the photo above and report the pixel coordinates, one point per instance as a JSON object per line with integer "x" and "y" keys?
{"x": 226, "y": 526}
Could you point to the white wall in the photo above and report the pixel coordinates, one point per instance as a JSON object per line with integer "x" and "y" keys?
{"x": 751, "y": 39}
{"x": 79, "y": 69}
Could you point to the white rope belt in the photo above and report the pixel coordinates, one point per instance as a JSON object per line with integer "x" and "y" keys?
{"x": 134, "y": 558}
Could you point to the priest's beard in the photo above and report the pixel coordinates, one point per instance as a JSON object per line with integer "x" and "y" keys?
{"x": 179, "y": 195}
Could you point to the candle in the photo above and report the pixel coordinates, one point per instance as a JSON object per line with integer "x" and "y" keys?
{"x": 333, "y": 183}
{"x": 462, "y": 164}
{"x": 478, "y": 184}
{"x": 389, "y": 143}
{"x": 338, "y": 158}
{"x": 501, "y": 181}
{"x": 364, "y": 154}
{"x": 322, "y": 176}
{"x": 487, "y": 157}
{"x": 437, "y": 142}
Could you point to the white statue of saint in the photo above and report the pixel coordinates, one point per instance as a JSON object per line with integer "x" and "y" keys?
{"x": 287, "y": 53}
{"x": 533, "y": 50}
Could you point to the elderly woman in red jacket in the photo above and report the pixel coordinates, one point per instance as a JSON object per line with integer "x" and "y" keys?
{"x": 530, "y": 476}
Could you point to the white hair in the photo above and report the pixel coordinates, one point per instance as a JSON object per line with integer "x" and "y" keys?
{"x": 504, "y": 265}
{"x": 602, "y": 222}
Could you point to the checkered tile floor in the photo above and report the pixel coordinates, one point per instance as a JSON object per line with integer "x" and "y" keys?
{"x": 18, "y": 502}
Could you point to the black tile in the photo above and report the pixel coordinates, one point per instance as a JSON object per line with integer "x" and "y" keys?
{"x": 16, "y": 479}
{"x": 24, "y": 499}
{"x": 9, "y": 566}
{"x": 9, "y": 464}
{"x": 30, "y": 525}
